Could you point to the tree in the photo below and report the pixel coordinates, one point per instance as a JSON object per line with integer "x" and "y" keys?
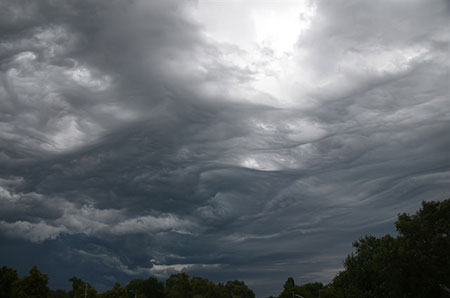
{"x": 288, "y": 288}
{"x": 411, "y": 265}
{"x": 31, "y": 286}
{"x": 147, "y": 288}
{"x": 238, "y": 289}
{"x": 178, "y": 286}
{"x": 425, "y": 244}
{"x": 329, "y": 292}
{"x": 116, "y": 292}
{"x": 59, "y": 294}
{"x": 372, "y": 270}
{"x": 220, "y": 291}
{"x": 310, "y": 290}
{"x": 202, "y": 288}
{"x": 7, "y": 278}
{"x": 81, "y": 289}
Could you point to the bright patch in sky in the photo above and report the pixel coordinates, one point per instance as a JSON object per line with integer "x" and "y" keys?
{"x": 278, "y": 27}
{"x": 249, "y": 24}
{"x": 265, "y": 31}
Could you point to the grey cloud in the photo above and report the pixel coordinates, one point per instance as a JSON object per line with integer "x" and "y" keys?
{"x": 39, "y": 218}
{"x": 126, "y": 141}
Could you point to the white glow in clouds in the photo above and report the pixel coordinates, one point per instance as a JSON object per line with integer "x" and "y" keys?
{"x": 266, "y": 31}
{"x": 250, "y": 24}
{"x": 278, "y": 27}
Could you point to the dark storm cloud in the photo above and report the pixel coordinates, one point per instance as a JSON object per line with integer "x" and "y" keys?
{"x": 124, "y": 150}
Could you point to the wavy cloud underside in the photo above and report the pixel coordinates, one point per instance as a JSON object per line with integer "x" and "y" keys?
{"x": 138, "y": 139}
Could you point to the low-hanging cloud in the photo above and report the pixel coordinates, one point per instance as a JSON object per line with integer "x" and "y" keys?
{"x": 132, "y": 140}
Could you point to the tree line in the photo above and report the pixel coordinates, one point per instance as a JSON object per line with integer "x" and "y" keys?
{"x": 414, "y": 264}
{"x": 177, "y": 285}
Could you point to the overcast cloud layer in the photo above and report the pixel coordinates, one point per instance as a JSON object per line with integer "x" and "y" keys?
{"x": 150, "y": 137}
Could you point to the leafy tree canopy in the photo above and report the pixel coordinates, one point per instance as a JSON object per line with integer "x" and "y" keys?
{"x": 116, "y": 292}
{"x": 178, "y": 286}
{"x": 31, "y": 286}
{"x": 146, "y": 288}
{"x": 81, "y": 289}
{"x": 415, "y": 264}
{"x": 238, "y": 289}
{"x": 7, "y": 278}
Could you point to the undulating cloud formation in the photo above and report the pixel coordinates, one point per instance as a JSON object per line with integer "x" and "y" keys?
{"x": 249, "y": 140}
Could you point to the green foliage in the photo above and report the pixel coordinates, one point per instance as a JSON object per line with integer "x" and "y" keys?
{"x": 145, "y": 288}
{"x": 424, "y": 244}
{"x": 59, "y": 294}
{"x": 371, "y": 270}
{"x": 81, "y": 289}
{"x": 310, "y": 290}
{"x": 238, "y": 289}
{"x": 178, "y": 286}
{"x": 288, "y": 288}
{"x": 7, "y": 278}
{"x": 202, "y": 288}
{"x": 412, "y": 265}
{"x": 220, "y": 291}
{"x": 329, "y": 292}
{"x": 31, "y": 286}
{"x": 116, "y": 292}
{"x": 424, "y": 239}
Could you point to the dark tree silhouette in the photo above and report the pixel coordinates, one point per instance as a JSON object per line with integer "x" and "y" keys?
{"x": 178, "y": 286}
{"x": 145, "y": 288}
{"x": 31, "y": 286}
{"x": 7, "y": 278}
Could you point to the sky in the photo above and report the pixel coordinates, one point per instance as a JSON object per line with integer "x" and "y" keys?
{"x": 244, "y": 140}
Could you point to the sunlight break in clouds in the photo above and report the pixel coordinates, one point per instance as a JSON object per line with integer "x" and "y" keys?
{"x": 278, "y": 26}
{"x": 266, "y": 32}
